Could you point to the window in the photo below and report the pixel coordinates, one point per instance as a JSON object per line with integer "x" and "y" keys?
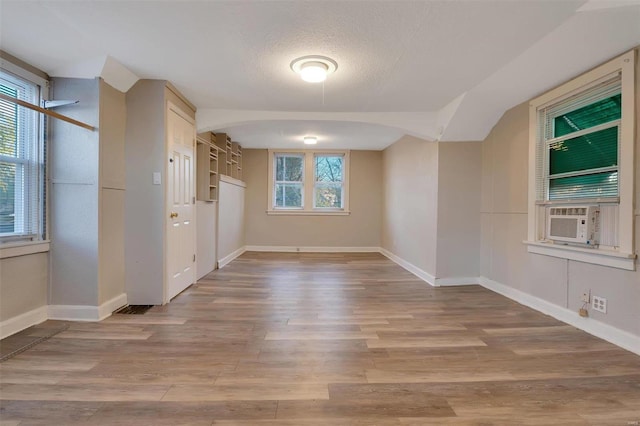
{"x": 328, "y": 189}
{"x": 581, "y": 145}
{"x": 308, "y": 182}
{"x": 289, "y": 182}
{"x": 21, "y": 160}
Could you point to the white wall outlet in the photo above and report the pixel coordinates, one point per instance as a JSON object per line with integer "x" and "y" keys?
{"x": 599, "y": 304}
{"x": 585, "y": 297}
{"x": 157, "y": 178}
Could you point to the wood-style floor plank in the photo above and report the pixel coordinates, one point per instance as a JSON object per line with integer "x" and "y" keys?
{"x": 315, "y": 339}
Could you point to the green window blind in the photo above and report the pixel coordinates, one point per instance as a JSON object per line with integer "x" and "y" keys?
{"x": 600, "y": 112}
{"x": 581, "y": 136}
{"x": 591, "y": 151}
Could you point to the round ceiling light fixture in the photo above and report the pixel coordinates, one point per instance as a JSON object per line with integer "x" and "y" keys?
{"x": 310, "y": 140}
{"x": 314, "y": 68}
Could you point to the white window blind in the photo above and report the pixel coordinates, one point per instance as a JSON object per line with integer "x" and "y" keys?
{"x": 21, "y": 161}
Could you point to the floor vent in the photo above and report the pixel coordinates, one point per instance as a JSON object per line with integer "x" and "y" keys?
{"x": 133, "y": 309}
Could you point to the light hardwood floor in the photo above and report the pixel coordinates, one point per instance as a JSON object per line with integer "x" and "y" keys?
{"x": 322, "y": 339}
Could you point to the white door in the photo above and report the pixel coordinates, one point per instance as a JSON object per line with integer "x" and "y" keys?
{"x": 181, "y": 248}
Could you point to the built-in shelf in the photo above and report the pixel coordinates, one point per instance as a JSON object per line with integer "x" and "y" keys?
{"x": 230, "y": 153}
{"x": 207, "y": 167}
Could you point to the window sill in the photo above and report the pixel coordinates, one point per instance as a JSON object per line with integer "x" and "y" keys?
{"x": 308, "y": 213}
{"x": 602, "y": 257}
{"x": 23, "y": 248}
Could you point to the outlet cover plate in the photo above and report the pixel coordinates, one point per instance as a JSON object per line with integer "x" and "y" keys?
{"x": 599, "y": 304}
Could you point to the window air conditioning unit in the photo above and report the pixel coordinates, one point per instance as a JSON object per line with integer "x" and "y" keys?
{"x": 574, "y": 224}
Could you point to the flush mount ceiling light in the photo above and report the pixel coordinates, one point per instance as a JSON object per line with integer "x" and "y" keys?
{"x": 314, "y": 68}
{"x": 310, "y": 140}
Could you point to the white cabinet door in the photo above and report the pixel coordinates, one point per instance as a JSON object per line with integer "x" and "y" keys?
{"x": 180, "y": 241}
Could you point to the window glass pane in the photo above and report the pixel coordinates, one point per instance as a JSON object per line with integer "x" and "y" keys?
{"x": 597, "y": 149}
{"x": 293, "y": 169}
{"x": 8, "y": 123}
{"x": 596, "y": 185}
{"x": 288, "y": 195}
{"x": 328, "y": 168}
{"x": 600, "y": 112}
{"x": 7, "y": 197}
{"x": 280, "y": 168}
{"x": 328, "y": 195}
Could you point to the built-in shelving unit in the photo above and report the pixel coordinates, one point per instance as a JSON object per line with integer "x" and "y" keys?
{"x": 230, "y": 156}
{"x": 208, "y": 160}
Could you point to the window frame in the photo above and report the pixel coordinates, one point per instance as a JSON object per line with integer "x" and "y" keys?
{"x": 308, "y": 184}
{"x": 38, "y": 241}
{"x": 622, "y": 256}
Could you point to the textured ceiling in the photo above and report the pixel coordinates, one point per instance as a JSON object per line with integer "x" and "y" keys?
{"x": 401, "y": 63}
{"x": 330, "y": 134}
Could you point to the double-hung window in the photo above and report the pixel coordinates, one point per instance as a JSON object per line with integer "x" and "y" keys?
{"x": 22, "y": 163}
{"x": 308, "y": 182}
{"x": 289, "y": 181}
{"x": 582, "y": 140}
{"x": 328, "y": 189}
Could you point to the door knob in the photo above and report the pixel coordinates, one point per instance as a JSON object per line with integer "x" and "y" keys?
{"x": 173, "y": 215}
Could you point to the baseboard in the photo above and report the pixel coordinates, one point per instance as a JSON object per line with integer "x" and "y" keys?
{"x": 456, "y": 281}
{"x": 599, "y": 329}
{"x": 86, "y": 312}
{"x": 312, "y": 249}
{"x": 18, "y": 323}
{"x": 227, "y": 259}
{"x": 423, "y": 275}
{"x": 107, "y": 308}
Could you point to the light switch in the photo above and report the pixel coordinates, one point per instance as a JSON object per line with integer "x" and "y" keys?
{"x": 157, "y": 178}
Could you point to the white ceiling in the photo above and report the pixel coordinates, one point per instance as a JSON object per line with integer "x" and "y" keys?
{"x": 435, "y": 69}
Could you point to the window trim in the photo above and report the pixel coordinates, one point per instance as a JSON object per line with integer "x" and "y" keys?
{"x": 308, "y": 193}
{"x": 10, "y": 245}
{"x": 625, "y": 65}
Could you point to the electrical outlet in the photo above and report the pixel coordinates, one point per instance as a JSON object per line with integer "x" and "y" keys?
{"x": 585, "y": 297}
{"x": 599, "y": 304}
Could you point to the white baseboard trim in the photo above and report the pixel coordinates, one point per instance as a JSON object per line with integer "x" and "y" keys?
{"x": 18, "y": 323}
{"x": 457, "y": 281}
{"x": 604, "y": 331}
{"x": 106, "y": 309}
{"x": 423, "y": 275}
{"x": 227, "y": 259}
{"x": 86, "y": 312}
{"x": 311, "y": 249}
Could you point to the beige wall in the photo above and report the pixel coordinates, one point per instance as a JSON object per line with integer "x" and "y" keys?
{"x": 206, "y": 237}
{"x": 410, "y": 208}
{"x": 504, "y": 258}
{"x": 74, "y": 153}
{"x": 458, "y": 240}
{"x": 231, "y": 211}
{"x": 113, "y": 119}
{"x": 23, "y": 284}
{"x": 360, "y": 229}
